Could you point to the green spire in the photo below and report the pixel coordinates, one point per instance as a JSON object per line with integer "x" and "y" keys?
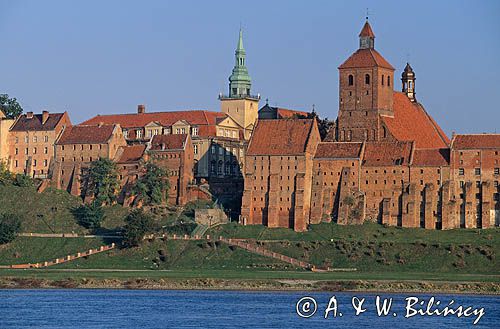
{"x": 239, "y": 81}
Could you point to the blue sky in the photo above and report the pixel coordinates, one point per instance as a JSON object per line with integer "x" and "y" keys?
{"x": 99, "y": 57}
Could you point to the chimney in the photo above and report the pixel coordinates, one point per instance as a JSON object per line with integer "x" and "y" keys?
{"x": 141, "y": 108}
{"x": 29, "y": 115}
{"x": 45, "y": 116}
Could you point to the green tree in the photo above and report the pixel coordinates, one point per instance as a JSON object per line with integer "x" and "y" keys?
{"x": 138, "y": 224}
{"x": 23, "y": 180}
{"x": 153, "y": 185}
{"x": 10, "y": 106}
{"x": 101, "y": 181}
{"x": 6, "y": 177}
{"x": 10, "y": 225}
{"x": 90, "y": 215}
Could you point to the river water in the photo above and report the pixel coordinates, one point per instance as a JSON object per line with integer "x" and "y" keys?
{"x": 103, "y": 308}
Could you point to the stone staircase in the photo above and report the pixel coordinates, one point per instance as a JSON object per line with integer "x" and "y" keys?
{"x": 65, "y": 259}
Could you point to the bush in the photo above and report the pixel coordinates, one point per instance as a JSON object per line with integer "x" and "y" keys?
{"x": 138, "y": 224}
{"x": 90, "y": 215}
{"x": 10, "y": 225}
{"x": 23, "y": 181}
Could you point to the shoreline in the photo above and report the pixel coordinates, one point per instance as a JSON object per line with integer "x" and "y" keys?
{"x": 366, "y": 286}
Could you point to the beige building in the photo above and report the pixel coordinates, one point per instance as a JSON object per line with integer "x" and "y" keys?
{"x": 31, "y": 142}
{"x": 5, "y": 125}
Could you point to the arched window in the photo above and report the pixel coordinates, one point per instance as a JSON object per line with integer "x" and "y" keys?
{"x": 382, "y": 79}
{"x": 351, "y": 80}
{"x": 367, "y": 79}
{"x": 389, "y": 80}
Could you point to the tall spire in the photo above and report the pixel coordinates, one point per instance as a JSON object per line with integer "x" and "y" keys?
{"x": 366, "y": 37}
{"x": 239, "y": 81}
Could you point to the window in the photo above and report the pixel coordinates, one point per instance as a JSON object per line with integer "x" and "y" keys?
{"x": 195, "y": 149}
{"x": 496, "y": 184}
{"x": 35, "y": 139}
{"x": 367, "y": 79}
{"x": 34, "y": 150}
{"x": 478, "y": 183}
{"x": 26, "y": 151}
{"x": 477, "y": 171}
{"x": 212, "y": 148}
{"x": 125, "y": 133}
{"x": 389, "y": 80}
{"x": 17, "y": 151}
{"x": 45, "y": 163}
{"x": 496, "y": 171}
{"x": 16, "y": 163}
{"x": 382, "y": 79}
{"x": 138, "y": 133}
{"x": 195, "y": 131}
{"x": 351, "y": 80}
{"x": 26, "y": 139}
{"x": 221, "y": 151}
{"x": 17, "y": 140}
{"x": 461, "y": 171}
{"x": 34, "y": 163}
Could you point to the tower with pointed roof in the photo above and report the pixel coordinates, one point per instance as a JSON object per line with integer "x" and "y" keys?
{"x": 240, "y": 104}
{"x": 408, "y": 81}
{"x": 366, "y": 91}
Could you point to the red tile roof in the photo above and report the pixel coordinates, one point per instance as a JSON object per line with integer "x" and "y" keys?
{"x": 138, "y": 120}
{"x": 338, "y": 150}
{"x": 431, "y": 157}
{"x": 476, "y": 141}
{"x": 96, "y": 134}
{"x": 412, "y": 123}
{"x": 367, "y": 31}
{"x": 23, "y": 123}
{"x": 366, "y": 58}
{"x": 168, "y": 142}
{"x": 132, "y": 153}
{"x": 387, "y": 153}
{"x": 280, "y": 137}
{"x": 287, "y": 114}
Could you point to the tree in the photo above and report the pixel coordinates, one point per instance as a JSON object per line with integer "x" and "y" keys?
{"x": 90, "y": 215}
{"x": 6, "y": 177}
{"x": 153, "y": 185}
{"x": 138, "y": 224}
{"x": 23, "y": 180}
{"x": 10, "y": 225}
{"x": 101, "y": 181}
{"x": 10, "y": 106}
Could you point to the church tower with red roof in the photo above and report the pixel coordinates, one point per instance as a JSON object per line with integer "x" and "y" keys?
{"x": 366, "y": 92}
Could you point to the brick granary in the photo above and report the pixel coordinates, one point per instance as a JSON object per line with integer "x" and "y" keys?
{"x": 386, "y": 160}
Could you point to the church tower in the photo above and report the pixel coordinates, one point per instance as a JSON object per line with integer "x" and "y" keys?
{"x": 408, "y": 80}
{"x": 240, "y": 104}
{"x": 366, "y": 91}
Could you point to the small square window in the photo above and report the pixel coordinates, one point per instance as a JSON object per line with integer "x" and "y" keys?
{"x": 477, "y": 171}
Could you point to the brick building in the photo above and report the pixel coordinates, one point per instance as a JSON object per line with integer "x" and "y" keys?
{"x": 31, "y": 142}
{"x": 278, "y": 173}
{"x": 175, "y": 154}
{"x": 77, "y": 147}
{"x": 386, "y": 160}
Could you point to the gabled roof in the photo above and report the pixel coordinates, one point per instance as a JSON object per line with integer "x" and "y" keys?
{"x": 168, "y": 142}
{"x": 280, "y": 137}
{"x": 138, "y": 120}
{"x": 95, "y": 134}
{"x": 132, "y": 153}
{"x": 387, "y": 153}
{"x": 338, "y": 150}
{"x": 476, "y": 141}
{"x": 412, "y": 123}
{"x": 366, "y": 58}
{"x": 23, "y": 123}
{"x": 431, "y": 157}
{"x": 367, "y": 31}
